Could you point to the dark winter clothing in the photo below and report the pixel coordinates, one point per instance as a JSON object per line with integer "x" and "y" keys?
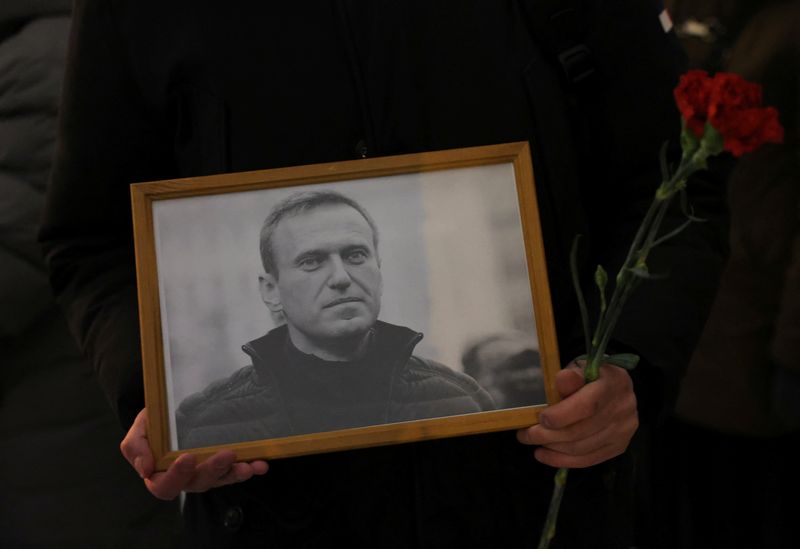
{"x": 286, "y": 392}
{"x": 159, "y": 91}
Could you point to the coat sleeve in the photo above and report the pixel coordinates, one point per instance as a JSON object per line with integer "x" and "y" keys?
{"x": 108, "y": 139}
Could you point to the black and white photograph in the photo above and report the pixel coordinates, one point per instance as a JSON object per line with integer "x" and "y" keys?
{"x": 343, "y": 305}
{"x": 331, "y": 306}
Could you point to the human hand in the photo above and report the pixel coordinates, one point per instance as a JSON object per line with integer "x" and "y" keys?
{"x": 184, "y": 474}
{"x": 593, "y": 423}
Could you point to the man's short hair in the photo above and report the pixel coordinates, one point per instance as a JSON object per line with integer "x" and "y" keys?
{"x": 298, "y": 203}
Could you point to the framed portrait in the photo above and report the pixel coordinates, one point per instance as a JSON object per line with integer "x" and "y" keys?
{"x": 344, "y": 305}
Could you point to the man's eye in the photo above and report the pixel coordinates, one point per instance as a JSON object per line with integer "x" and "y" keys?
{"x": 309, "y": 263}
{"x": 357, "y": 257}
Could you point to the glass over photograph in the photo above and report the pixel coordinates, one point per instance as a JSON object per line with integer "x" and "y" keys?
{"x": 316, "y": 308}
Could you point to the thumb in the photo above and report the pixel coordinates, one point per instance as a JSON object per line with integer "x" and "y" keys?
{"x": 569, "y": 380}
{"x": 136, "y": 448}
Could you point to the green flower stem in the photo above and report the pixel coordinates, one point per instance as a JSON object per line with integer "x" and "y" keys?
{"x": 653, "y": 231}
{"x": 598, "y": 353}
{"x": 573, "y": 263}
{"x": 633, "y": 269}
{"x": 601, "y": 279}
{"x": 624, "y": 277}
{"x": 637, "y": 256}
{"x": 637, "y": 240}
{"x": 549, "y": 532}
{"x": 626, "y": 282}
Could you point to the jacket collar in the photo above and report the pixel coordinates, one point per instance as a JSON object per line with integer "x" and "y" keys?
{"x": 395, "y": 342}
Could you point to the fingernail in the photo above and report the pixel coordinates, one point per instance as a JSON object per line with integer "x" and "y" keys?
{"x": 545, "y": 421}
{"x": 137, "y": 465}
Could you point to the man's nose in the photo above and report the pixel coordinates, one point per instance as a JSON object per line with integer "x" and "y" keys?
{"x": 338, "y": 277}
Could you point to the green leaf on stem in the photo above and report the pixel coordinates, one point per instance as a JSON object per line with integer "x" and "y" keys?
{"x": 672, "y": 234}
{"x": 687, "y": 209}
{"x": 712, "y": 143}
{"x": 623, "y": 360}
{"x": 689, "y": 141}
{"x": 641, "y": 271}
{"x": 629, "y": 361}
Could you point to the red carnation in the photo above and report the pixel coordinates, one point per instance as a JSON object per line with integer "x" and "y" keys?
{"x": 692, "y": 97}
{"x": 732, "y": 105}
{"x": 736, "y": 113}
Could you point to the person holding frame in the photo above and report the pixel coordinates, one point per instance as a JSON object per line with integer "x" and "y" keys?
{"x": 157, "y": 91}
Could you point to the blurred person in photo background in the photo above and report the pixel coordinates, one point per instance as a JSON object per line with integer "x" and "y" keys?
{"x": 508, "y": 366}
{"x": 62, "y": 481}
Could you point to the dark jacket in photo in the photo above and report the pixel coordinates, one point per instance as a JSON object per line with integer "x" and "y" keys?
{"x": 286, "y": 392}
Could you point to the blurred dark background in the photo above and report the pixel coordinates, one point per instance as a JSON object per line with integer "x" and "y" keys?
{"x": 63, "y": 481}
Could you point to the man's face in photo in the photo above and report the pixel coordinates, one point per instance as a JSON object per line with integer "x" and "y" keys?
{"x": 329, "y": 280}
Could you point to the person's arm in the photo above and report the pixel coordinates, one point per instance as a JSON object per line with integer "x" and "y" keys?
{"x": 111, "y": 136}
{"x": 108, "y": 138}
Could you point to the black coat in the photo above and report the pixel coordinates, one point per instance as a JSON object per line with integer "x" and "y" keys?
{"x": 159, "y": 90}
{"x": 389, "y": 385}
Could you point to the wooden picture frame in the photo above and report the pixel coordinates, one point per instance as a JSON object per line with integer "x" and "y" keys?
{"x": 460, "y": 252}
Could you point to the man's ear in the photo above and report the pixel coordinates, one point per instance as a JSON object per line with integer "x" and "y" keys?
{"x": 380, "y": 281}
{"x": 270, "y": 293}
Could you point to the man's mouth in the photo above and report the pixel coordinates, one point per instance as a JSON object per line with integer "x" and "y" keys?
{"x": 342, "y": 300}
